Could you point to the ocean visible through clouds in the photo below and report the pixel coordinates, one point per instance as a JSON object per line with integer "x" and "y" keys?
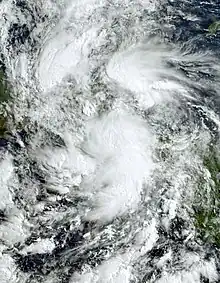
{"x": 109, "y": 141}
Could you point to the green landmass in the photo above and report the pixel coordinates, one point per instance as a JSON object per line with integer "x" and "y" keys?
{"x": 3, "y": 126}
{"x": 207, "y": 200}
{"x": 214, "y": 27}
{"x": 4, "y": 89}
{"x": 4, "y": 96}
